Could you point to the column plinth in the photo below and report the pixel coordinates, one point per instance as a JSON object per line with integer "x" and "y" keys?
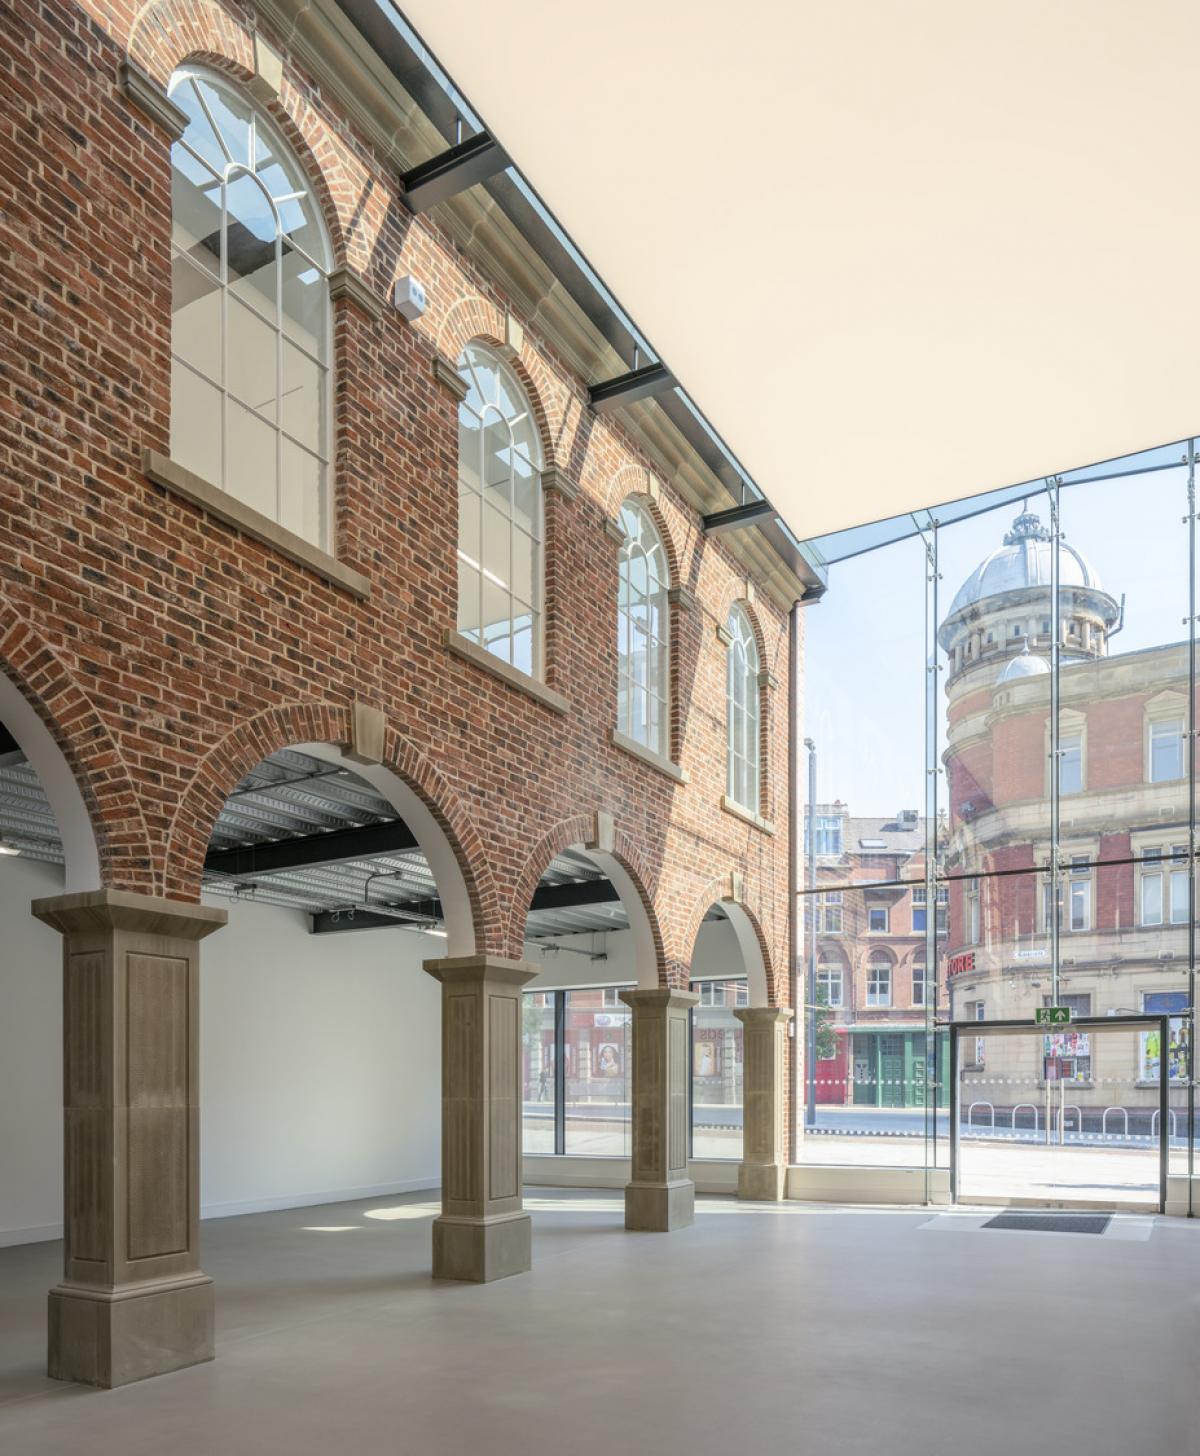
{"x": 483, "y": 1232}
{"x": 133, "y": 1301}
{"x": 660, "y": 1195}
{"x": 762, "y": 1173}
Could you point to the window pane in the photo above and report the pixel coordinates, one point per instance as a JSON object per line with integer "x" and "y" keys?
{"x": 251, "y": 359}
{"x": 196, "y": 318}
{"x": 537, "y": 1072}
{"x": 302, "y": 398}
{"x": 497, "y": 625}
{"x": 305, "y": 307}
{"x": 717, "y": 1067}
{"x": 195, "y": 424}
{"x": 250, "y": 459}
{"x": 597, "y": 1075}
{"x": 469, "y": 580}
{"x": 524, "y": 627}
{"x": 495, "y": 547}
{"x": 195, "y": 211}
{"x": 301, "y": 502}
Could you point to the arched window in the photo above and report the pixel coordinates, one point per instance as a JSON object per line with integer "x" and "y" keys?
{"x": 249, "y": 310}
{"x": 742, "y": 699}
{"x": 499, "y": 513}
{"x": 643, "y": 633}
{"x": 879, "y": 979}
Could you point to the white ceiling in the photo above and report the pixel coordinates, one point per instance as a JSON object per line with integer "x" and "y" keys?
{"x": 899, "y": 251}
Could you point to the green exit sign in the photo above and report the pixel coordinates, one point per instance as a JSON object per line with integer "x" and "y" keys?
{"x": 1052, "y": 1015}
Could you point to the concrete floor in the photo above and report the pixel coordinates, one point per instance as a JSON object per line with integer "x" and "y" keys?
{"x": 764, "y": 1328}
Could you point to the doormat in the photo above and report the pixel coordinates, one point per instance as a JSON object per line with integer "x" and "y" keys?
{"x": 1051, "y": 1223}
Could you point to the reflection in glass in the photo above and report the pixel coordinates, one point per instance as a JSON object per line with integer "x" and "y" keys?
{"x": 717, "y": 1069}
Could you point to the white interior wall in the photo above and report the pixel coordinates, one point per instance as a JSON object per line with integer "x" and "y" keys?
{"x": 320, "y": 1062}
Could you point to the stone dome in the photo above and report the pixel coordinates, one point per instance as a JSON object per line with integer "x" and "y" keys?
{"x": 1024, "y": 560}
{"x": 1024, "y": 664}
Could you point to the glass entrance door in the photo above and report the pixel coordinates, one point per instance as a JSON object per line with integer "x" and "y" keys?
{"x": 1074, "y": 1115}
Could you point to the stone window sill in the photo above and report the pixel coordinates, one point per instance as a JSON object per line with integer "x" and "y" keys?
{"x": 658, "y": 761}
{"x": 225, "y": 507}
{"x": 463, "y": 647}
{"x": 751, "y": 818}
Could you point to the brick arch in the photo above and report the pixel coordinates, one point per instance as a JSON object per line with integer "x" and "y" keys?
{"x": 228, "y": 761}
{"x": 474, "y": 319}
{"x": 110, "y": 799}
{"x": 170, "y": 33}
{"x": 735, "y": 594}
{"x": 749, "y": 904}
{"x": 581, "y": 829}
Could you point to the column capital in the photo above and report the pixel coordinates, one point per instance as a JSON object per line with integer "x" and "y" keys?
{"x": 659, "y": 998}
{"x": 463, "y": 970}
{"x": 763, "y": 1015}
{"x": 107, "y": 909}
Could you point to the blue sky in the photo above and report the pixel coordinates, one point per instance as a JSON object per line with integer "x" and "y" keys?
{"x": 865, "y": 639}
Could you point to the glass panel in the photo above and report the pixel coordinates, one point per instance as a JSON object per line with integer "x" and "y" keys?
{"x": 305, "y": 304}
{"x": 1063, "y": 1115}
{"x": 497, "y": 623}
{"x": 195, "y": 210}
{"x": 469, "y": 581}
{"x": 469, "y": 434}
{"x": 250, "y": 459}
{"x": 717, "y": 1069}
{"x": 195, "y": 423}
{"x": 303, "y": 403}
{"x": 301, "y": 502}
{"x": 1124, "y": 679}
{"x": 196, "y": 318}
{"x": 597, "y": 1074}
{"x": 496, "y": 547}
{"x": 870, "y": 1062}
{"x": 537, "y": 1072}
{"x": 251, "y": 359}
{"x": 523, "y": 640}
{"x": 995, "y": 636}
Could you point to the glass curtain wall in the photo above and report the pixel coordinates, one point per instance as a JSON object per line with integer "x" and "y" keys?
{"x": 1001, "y": 712}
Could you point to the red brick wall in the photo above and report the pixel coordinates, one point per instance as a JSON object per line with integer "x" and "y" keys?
{"x": 168, "y": 653}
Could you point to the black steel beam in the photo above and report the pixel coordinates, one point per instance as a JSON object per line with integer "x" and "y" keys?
{"x": 753, "y": 513}
{"x": 452, "y": 172}
{"x": 417, "y": 72}
{"x": 643, "y": 383}
{"x": 545, "y": 897}
{"x": 311, "y": 849}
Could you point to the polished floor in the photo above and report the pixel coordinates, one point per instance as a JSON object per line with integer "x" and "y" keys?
{"x": 793, "y": 1328}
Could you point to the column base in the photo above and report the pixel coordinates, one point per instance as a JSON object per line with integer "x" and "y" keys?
{"x": 482, "y": 1249}
{"x": 762, "y": 1182}
{"x": 111, "y": 1338}
{"x": 660, "y": 1207}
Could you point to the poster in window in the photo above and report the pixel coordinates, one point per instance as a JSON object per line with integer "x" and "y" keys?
{"x": 1150, "y": 1058}
{"x": 608, "y": 1059}
{"x": 706, "y": 1058}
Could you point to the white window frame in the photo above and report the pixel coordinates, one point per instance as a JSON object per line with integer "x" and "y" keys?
{"x": 744, "y": 768}
{"x": 501, "y": 396}
{"x": 875, "y": 996}
{"x": 827, "y": 971}
{"x": 919, "y": 980}
{"x": 644, "y": 699}
{"x": 883, "y": 929}
{"x": 1175, "y": 727}
{"x": 266, "y": 154}
{"x": 972, "y": 918}
{"x": 831, "y": 912}
{"x": 1163, "y": 883}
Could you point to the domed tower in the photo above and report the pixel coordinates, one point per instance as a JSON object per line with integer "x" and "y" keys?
{"x": 1004, "y": 609}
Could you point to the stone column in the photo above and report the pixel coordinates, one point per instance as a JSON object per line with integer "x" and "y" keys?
{"x": 133, "y": 1301}
{"x": 762, "y": 1173}
{"x": 483, "y": 1232}
{"x": 660, "y": 1196}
